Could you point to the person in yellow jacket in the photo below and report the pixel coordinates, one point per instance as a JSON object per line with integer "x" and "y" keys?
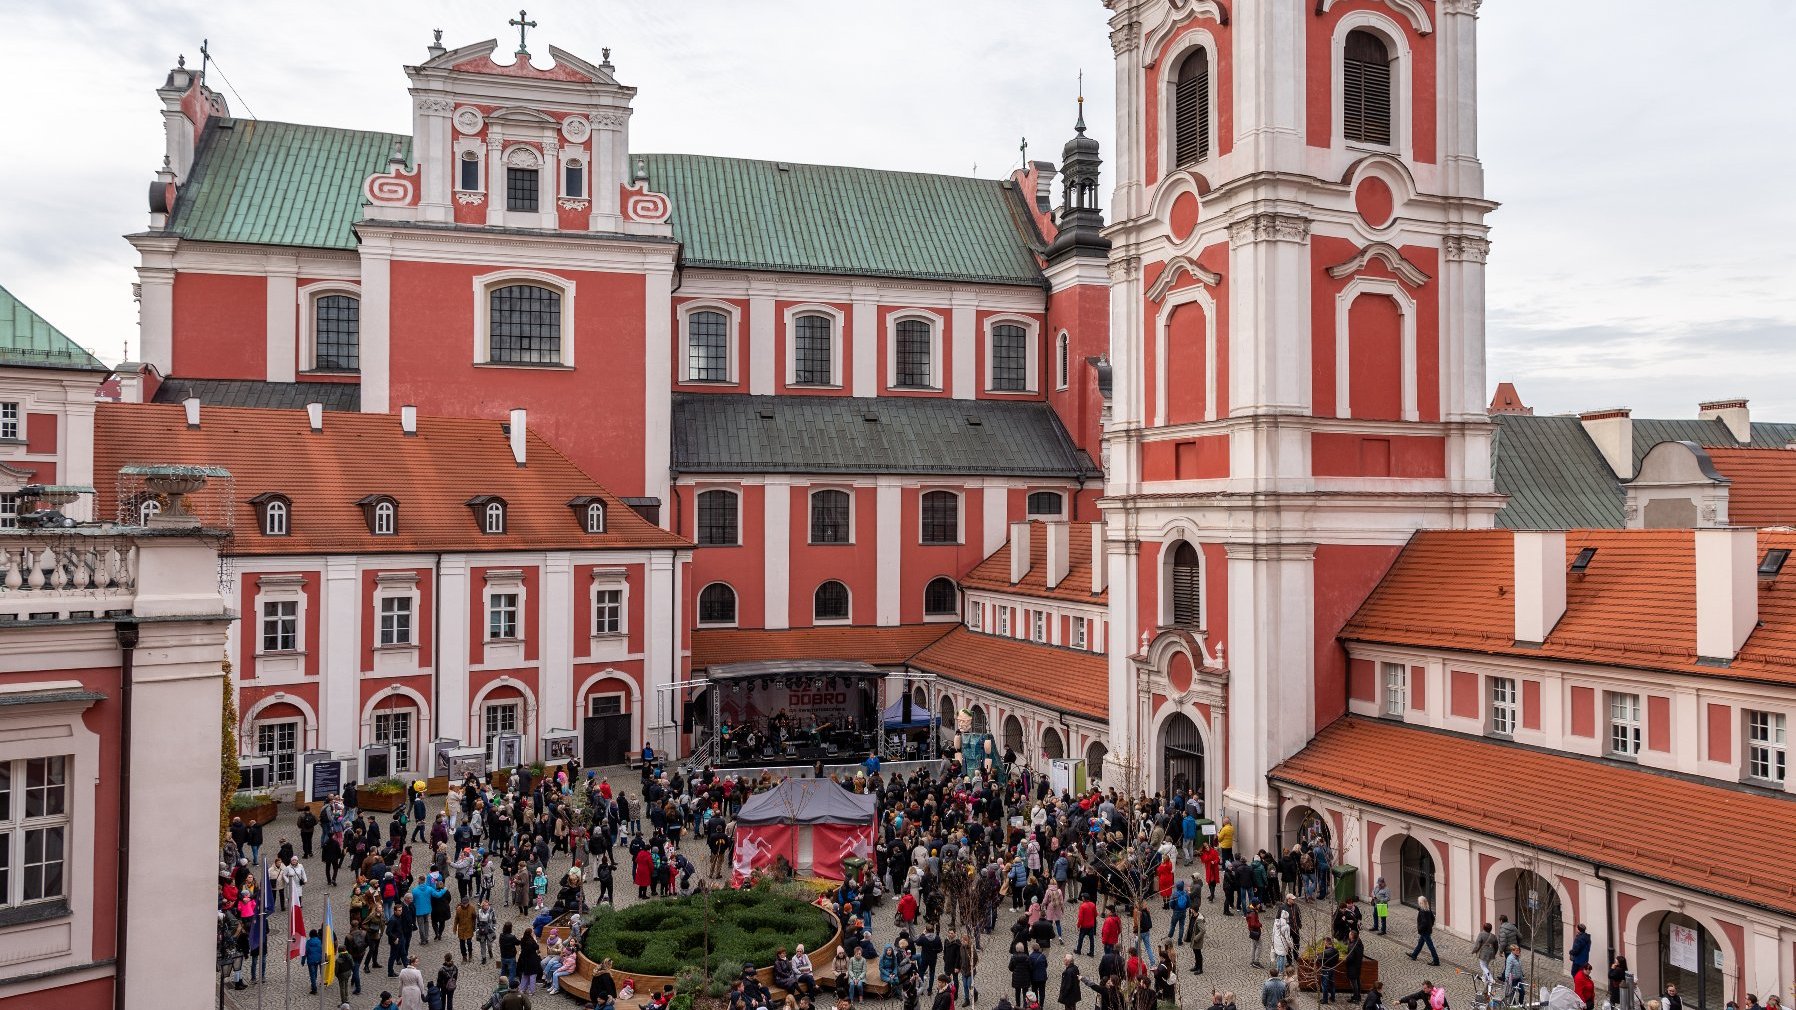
{"x": 1225, "y": 839}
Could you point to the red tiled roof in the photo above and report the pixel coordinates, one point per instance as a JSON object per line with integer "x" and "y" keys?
{"x": 430, "y": 476}
{"x": 1069, "y": 679}
{"x": 1544, "y": 800}
{"x": 1634, "y": 607}
{"x": 994, "y": 572}
{"x": 1762, "y": 489}
{"x": 889, "y": 646}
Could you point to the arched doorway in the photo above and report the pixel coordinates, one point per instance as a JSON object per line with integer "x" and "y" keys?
{"x": 946, "y": 726}
{"x": 1532, "y": 904}
{"x": 1094, "y": 761}
{"x": 1305, "y": 826}
{"x": 1013, "y": 737}
{"x": 1415, "y": 873}
{"x": 1688, "y": 957}
{"x": 1181, "y": 755}
{"x": 1051, "y": 747}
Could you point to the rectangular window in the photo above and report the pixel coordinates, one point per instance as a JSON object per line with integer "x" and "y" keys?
{"x": 394, "y": 728}
{"x": 470, "y": 171}
{"x": 279, "y": 741}
{"x": 707, "y": 347}
{"x": 396, "y": 620}
{"x": 502, "y": 617}
{"x": 812, "y": 357}
{"x": 34, "y": 827}
{"x": 941, "y": 517}
{"x": 608, "y": 612}
{"x": 1038, "y": 626}
{"x": 914, "y": 340}
{"x": 1079, "y": 632}
{"x": 9, "y": 420}
{"x": 1396, "y": 687}
{"x": 9, "y": 511}
{"x": 336, "y": 333}
{"x": 717, "y": 519}
{"x": 1766, "y": 748}
{"x": 1624, "y": 725}
{"x": 976, "y": 616}
{"x": 1003, "y": 620}
{"x": 576, "y": 180}
{"x": 501, "y": 718}
{"x": 829, "y": 517}
{"x": 520, "y": 189}
{"x": 524, "y": 325}
{"x": 605, "y": 704}
{"x": 1502, "y": 706}
{"x": 1010, "y": 358}
{"x": 280, "y": 626}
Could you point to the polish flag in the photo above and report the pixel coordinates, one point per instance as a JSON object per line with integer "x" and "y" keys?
{"x": 296, "y": 933}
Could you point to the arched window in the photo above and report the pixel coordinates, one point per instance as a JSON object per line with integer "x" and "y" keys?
{"x": 717, "y": 519}
{"x": 941, "y": 517}
{"x": 829, "y": 517}
{"x": 1191, "y": 109}
{"x": 980, "y": 723}
{"x": 470, "y": 171}
{"x": 1366, "y": 89}
{"x": 522, "y": 190}
{"x": 274, "y": 518}
{"x": 1094, "y": 760}
{"x": 150, "y": 509}
{"x": 1537, "y": 916}
{"x": 386, "y": 518}
{"x": 915, "y": 342}
{"x": 717, "y": 604}
{"x": 1187, "y": 587}
{"x": 595, "y": 517}
{"x": 336, "y": 333}
{"x": 524, "y": 325}
{"x": 494, "y": 518}
{"x": 1416, "y": 871}
{"x": 1062, "y": 369}
{"x": 1046, "y": 503}
{"x": 1010, "y": 358}
{"x": 940, "y": 598}
{"x": 707, "y": 347}
{"x": 576, "y": 179}
{"x": 813, "y": 351}
{"x": 830, "y": 603}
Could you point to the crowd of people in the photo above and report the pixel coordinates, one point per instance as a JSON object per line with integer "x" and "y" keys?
{"x": 1129, "y": 877}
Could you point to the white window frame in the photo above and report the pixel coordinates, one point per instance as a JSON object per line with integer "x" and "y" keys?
{"x": 490, "y": 714}
{"x": 1396, "y": 40}
{"x": 387, "y": 620}
{"x": 299, "y": 736}
{"x": 1063, "y": 364}
{"x": 1505, "y": 699}
{"x": 1765, "y": 746}
{"x": 594, "y": 511}
{"x": 937, "y": 327}
{"x": 733, "y": 493}
{"x": 960, "y": 518}
{"x": 386, "y": 519}
{"x": 698, "y": 607}
{"x": 147, "y": 510}
{"x": 976, "y": 616}
{"x": 1003, "y": 620}
{"x": 1406, "y": 309}
{"x": 9, "y": 510}
{"x": 732, "y": 339}
{"x": 836, "y": 342}
{"x": 848, "y": 617}
{"x": 308, "y": 321}
{"x": 492, "y": 517}
{"x": 494, "y": 608}
{"x": 1396, "y": 688}
{"x": 265, "y": 619}
{"x": 1038, "y": 626}
{"x": 381, "y": 734}
{"x": 945, "y": 616}
{"x": 810, "y": 530}
{"x": 18, "y": 824}
{"x": 585, "y": 178}
{"x": 484, "y": 284}
{"x": 1626, "y": 727}
{"x": 275, "y": 518}
{"x": 463, "y": 148}
{"x": 1080, "y": 632}
{"x": 12, "y": 420}
{"x": 1031, "y": 348}
{"x": 1165, "y": 69}
{"x": 604, "y": 582}
{"x": 1059, "y": 513}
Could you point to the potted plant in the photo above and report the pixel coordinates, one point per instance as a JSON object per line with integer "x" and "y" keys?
{"x": 253, "y": 808}
{"x": 381, "y": 795}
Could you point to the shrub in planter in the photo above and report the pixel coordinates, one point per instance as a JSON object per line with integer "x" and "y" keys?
{"x": 381, "y": 794}
{"x": 254, "y": 808}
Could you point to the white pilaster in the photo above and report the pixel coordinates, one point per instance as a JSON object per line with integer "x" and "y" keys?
{"x": 452, "y": 648}
{"x": 865, "y": 322}
{"x": 75, "y": 450}
{"x": 1271, "y": 656}
{"x": 996, "y": 499}
{"x": 376, "y": 323}
{"x": 889, "y": 503}
{"x": 963, "y": 324}
{"x": 340, "y": 665}
{"x": 660, "y": 652}
{"x": 657, "y": 340}
{"x": 156, "y": 302}
{"x": 762, "y": 367}
{"x": 283, "y": 318}
{"x": 776, "y": 551}
{"x": 1126, "y": 742}
{"x": 556, "y": 676}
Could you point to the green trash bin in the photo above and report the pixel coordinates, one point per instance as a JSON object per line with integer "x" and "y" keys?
{"x": 1346, "y": 883}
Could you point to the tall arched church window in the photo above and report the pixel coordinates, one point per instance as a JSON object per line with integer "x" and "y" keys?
{"x": 829, "y": 517}
{"x": 1062, "y": 370}
{"x": 576, "y": 179}
{"x": 1366, "y": 89}
{"x": 1187, "y": 587}
{"x": 525, "y": 324}
{"x": 470, "y": 171}
{"x": 1010, "y": 358}
{"x": 337, "y": 333}
{"x": 914, "y": 341}
{"x": 813, "y": 363}
{"x": 707, "y": 347}
{"x": 1191, "y": 109}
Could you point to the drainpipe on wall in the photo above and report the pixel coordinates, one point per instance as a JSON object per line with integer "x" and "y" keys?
{"x": 436, "y": 656}
{"x": 1608, "y": 908}
{"x": 126, "y": 634}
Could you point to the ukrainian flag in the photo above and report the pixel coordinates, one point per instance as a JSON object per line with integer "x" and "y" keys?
{"x": 330, "y": 947}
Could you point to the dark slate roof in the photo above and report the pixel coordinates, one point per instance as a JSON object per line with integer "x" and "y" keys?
{"x": 1557, "y": 479}
{"x": 271, "y": 395}
{"x": 270, "y": 183}
{"x": 736, "y": 433}
{"x": 736, "y": 213}
{"x": 27, "y": 339}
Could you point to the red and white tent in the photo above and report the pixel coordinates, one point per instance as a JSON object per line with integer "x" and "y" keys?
{"x": 813, "y": 823}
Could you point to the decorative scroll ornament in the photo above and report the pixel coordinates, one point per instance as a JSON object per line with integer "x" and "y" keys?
{"x": 1174, "y": 268}
{"x": 397, "y": 188}
{"x": 644, "y": 206}
{"x": 1406, "y": 271}
{"x": 1269, "y": 227}
{"x": 435, "y": 105}
{"x": 1467, "y": 248}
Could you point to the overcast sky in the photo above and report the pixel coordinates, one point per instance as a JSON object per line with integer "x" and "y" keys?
{"x": 1645, "y": 253}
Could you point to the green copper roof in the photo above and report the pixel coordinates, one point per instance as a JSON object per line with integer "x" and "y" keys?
{"x": 766, "y": 215}
{"x": 268, "y": 183}
{"x": 27, "y": 339}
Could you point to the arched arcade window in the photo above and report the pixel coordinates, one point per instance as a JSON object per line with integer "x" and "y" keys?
{"x": 830, "y": 602}
{"x": 1191, "y": 109}
{"x": 717, "y": 604}
{"x": 940, "y": 598}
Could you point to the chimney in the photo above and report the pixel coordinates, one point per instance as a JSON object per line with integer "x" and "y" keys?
{"x": 1059, "y": 552}
{"x": 1727, "y": 591}
{"x": 315, "y": 415}
{"x": 1613, "y": 432}
{"x": 408, "y": 420}
{"x": 1539, "y": 583}
{"x": 1100, "y": 560}
{"x": 1732, "y": 413}
{"x": 192, "y": 406}
{"x": 517, "y": 431}
{"x": 1020, "y": 550}
{"x": 1045, "y": 171}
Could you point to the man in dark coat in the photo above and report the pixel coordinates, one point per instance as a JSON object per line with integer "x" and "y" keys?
{"x": 1071, "y": 986}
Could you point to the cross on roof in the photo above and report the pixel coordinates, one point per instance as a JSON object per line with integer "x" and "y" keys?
{"x": 522, "y": 25}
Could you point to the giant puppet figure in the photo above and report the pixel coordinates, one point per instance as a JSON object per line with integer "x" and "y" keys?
{"x": 977, "y": 750}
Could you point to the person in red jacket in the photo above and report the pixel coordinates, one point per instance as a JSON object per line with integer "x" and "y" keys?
{"x": 1164, "y": 874}
{"x": 907, "y": 909}
{"x": 1212, "y": 861}
{"x": 1088, "y": 926}
{"x": 1584, "y": 987}
{"x": 645, "y": 868}
{"x": 1112, "y": 933}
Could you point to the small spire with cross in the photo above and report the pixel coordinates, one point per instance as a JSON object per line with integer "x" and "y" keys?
{"x": 1024, "y": 146}
{"x": 1079, "y": 127}
{"x": 523, "y": 24}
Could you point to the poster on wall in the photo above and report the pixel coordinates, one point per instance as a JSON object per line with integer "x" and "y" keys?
{"x": 326, "y": 779}
{"x": 466, "y": 761}
{"x": 1683, "y": 948}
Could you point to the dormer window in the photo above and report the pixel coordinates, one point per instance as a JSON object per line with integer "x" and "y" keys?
{"x": 589, "y": 512}
{"x": 382, "y": 515}
{"x": 273, "y": 511}
{"x": 576, "y": 179}
{"x": 470, "y": 171}
{"x": 489, "y": 512}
